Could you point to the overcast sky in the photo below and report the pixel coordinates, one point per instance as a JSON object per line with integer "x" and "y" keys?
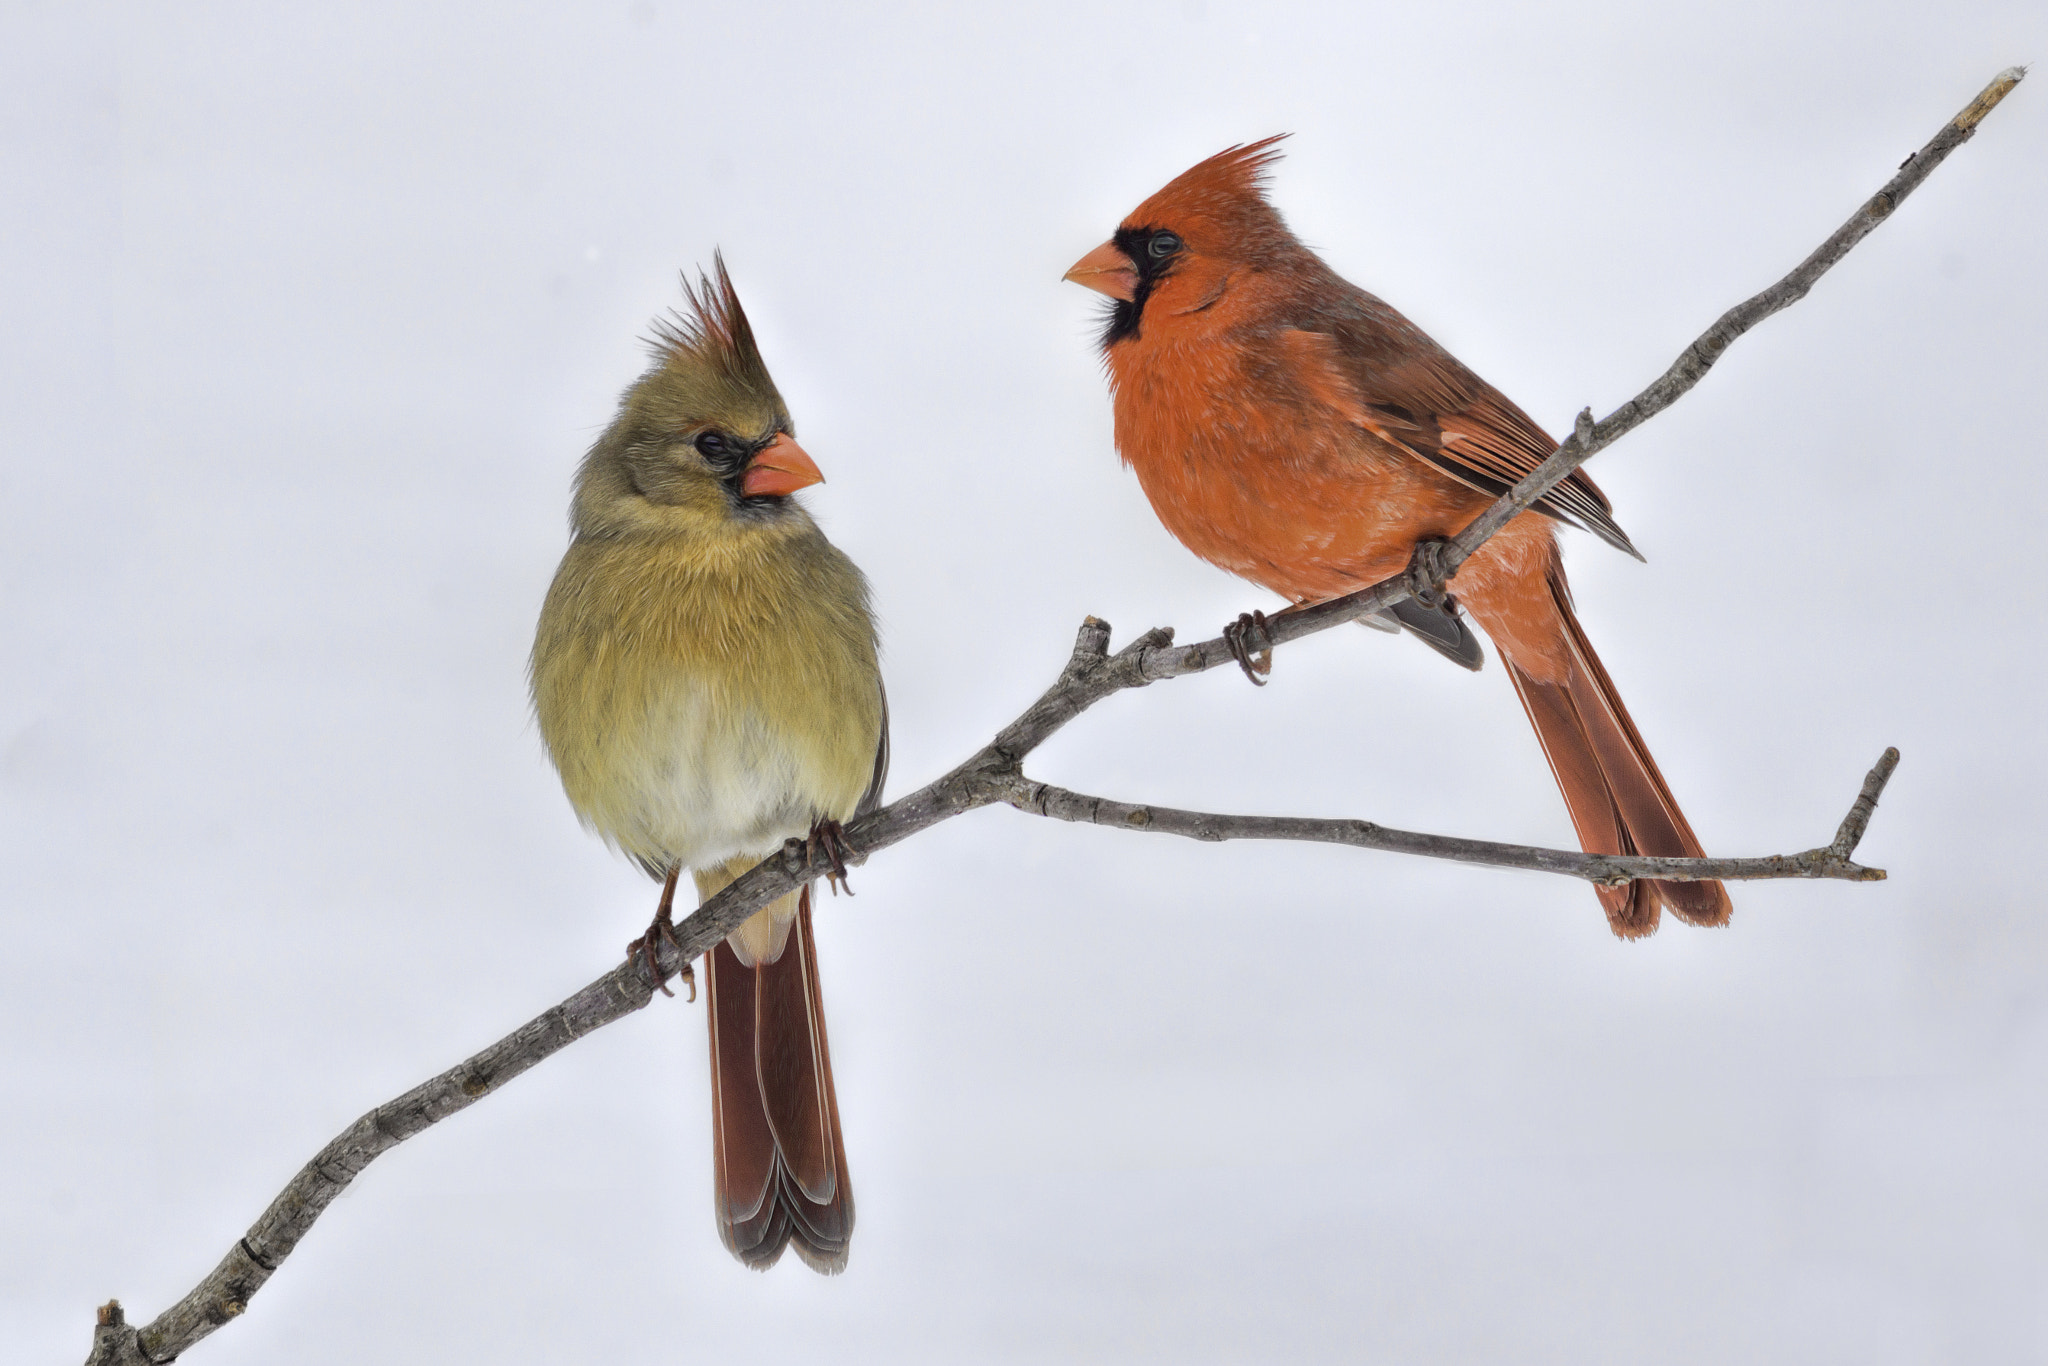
{"x": 310, "y": 312}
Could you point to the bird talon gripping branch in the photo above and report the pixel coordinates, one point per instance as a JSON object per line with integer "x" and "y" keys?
{"x": 1250, "y": 646}
{"x": 830, "y": 836}
{"x": 648, "y": 945}
{"x": 663, "y": 926}
{"x": 1427, "y": 578}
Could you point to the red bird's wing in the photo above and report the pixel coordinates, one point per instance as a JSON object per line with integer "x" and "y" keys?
{"x": 1387, "y": 377}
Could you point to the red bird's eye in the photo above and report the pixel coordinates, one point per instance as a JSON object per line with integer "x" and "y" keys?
{"x": 1162, "y": 245}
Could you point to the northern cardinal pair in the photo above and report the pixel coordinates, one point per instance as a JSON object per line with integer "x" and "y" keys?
{"x": 705, "y": 672}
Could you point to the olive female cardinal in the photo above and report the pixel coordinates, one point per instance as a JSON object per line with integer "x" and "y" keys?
{"x": 706, "y": 683}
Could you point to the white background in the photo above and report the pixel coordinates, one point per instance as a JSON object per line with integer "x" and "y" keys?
{"x": 309, "y": 312}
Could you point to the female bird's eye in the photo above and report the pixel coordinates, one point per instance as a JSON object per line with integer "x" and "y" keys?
{"x": 714, "y": 446}
{"x": 1163, "y": 245}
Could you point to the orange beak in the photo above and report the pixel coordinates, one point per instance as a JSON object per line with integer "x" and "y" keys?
{"x": 781, "y": 468}
{"x": 1107, "y": 271}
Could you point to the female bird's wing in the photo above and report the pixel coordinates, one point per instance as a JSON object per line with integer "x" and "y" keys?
{"x": 872, "y": 798}
{"x": 1388, "y": 377}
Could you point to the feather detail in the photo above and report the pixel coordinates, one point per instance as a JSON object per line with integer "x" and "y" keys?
{"x": 1466, "y": 430}
{"x": 1618, "y": 799}
{"x": 779, "y": 1166}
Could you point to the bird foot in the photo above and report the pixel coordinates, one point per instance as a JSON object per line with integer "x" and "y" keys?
{"x": 649, "y": 944}
{"x": 1250, "y": 646}
{"x": 664, "y": 927}
{"x": 830, "y": 836}
{"x": 1428, "y": 576}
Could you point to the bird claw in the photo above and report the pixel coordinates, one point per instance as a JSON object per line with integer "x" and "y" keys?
{"x": 663, "y": 927}
{"x": 830, "y": 836}
{"x": 649, "y": 945}
{"x": 1250, "y": 646}
{"x": 1427, "y": 575}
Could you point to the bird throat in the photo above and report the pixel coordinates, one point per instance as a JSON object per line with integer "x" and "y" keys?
{"x": 1120, "y": 323}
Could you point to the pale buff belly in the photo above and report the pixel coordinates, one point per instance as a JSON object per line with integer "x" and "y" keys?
{"x": 700, "y": 783}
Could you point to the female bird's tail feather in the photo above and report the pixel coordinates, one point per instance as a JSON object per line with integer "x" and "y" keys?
{"x": 779, "y": 1166}
{"x": 1618, "y": 800}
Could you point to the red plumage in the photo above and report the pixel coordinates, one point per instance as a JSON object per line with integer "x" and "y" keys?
{"x": 1295, "y": 430}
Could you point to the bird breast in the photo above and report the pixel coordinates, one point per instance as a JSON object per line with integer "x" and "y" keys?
{"x": 701, "y": 706}
{"x": 1254, "y": 471}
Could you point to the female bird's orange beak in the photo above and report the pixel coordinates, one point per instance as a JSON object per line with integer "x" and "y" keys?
{"x": 1108, "y": 271}
{"x": 781, "y": 468}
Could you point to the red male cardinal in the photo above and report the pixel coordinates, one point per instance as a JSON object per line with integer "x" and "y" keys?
{"x": 1293, "y": 429}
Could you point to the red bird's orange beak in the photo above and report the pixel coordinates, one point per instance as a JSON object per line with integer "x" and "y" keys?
{"x": 781, "y": 468}
{"x": 1108, "y": 271}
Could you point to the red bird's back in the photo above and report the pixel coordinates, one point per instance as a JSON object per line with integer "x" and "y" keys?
{"x": 1297, "y": 431}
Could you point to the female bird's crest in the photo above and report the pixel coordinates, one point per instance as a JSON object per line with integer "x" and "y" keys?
{"x": 709, "y": 339}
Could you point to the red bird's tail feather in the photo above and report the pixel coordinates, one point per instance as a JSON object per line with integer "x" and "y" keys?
{"x": 1618, "y": 800}
{"x": 778, "y": 1163}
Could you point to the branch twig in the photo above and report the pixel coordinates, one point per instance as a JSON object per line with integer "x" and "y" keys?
{"x": 1828, "y": 861}
{"x": 995, "y": 774}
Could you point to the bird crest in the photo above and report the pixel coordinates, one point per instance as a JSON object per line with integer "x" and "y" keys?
{"x": 1228, "y": 191}
{"x": 710, "y": 335}
{"x": 707, "y": 369}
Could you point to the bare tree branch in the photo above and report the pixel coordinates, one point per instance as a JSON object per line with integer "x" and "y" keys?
{"x": 995, "y": 774}
{"x": 1828, "y": 861}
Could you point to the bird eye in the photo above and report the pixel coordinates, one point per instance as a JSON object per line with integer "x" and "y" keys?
{"x": 714, "y": 446}
{"x": 1163, "y": 245}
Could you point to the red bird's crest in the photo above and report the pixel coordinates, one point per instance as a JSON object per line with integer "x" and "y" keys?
{"x": 1225, "y": 195}
{"x": 1232, "y": 173}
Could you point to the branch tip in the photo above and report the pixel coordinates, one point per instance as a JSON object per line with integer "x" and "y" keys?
{"x": 1864, "y": 807}
{"x": 1987, "y": 100}
{"x": 1156, "y": 638}
{"x": 1132, "y": 657}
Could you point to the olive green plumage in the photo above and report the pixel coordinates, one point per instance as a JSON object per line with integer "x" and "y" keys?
{"x": 704, "y": 673}
{"x": 759, "y": 643}
{"x": 705, "y": 679}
